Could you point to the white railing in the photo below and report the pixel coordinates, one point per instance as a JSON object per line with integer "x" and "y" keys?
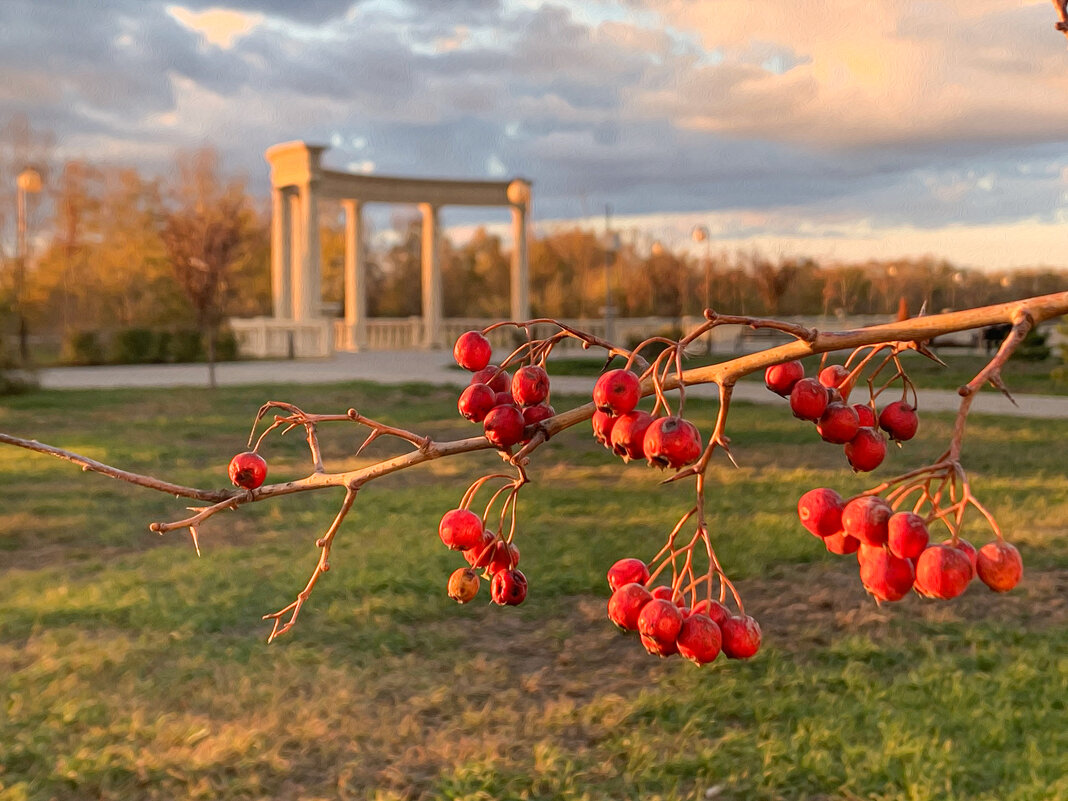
{"x": 268, "y": 338}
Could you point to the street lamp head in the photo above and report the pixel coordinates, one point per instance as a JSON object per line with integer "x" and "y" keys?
{"x": 29, "y": 180}
{"x": 700, "y": 233}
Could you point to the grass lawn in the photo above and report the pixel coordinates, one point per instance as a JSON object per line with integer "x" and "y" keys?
{"x": 130, "y": 668}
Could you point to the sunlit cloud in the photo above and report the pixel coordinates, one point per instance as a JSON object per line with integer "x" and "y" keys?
{"x": 219, "y": 26}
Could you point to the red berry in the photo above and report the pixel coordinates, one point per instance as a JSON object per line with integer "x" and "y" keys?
{"x": 700, "y": 639}
{"x": 966, "y": 548}
{"x": 617, "y": 392}
{"x": 741, "y": 637}
{"x": 505, "y": 556}
{"x": 866, "y": 519}
{"x": 504, "y": 426}
{"x": 482, "y": 553}
{"x": 504, "y": 399}
{"x": 820, "y": 511}
{"x": 841, "y": 543}
{"x": 838, "y": 424}
{"x": 508, "y": 587}
{"x": 248, "y": 470}
{"x": 660, "y": 621}
{"x": 602, "y": 428}
{"x": 626, "y": 604}
{"x": 907, "y": 535}
{"x": 714, "y": 609}
{"x": 999, "y": 566}
{"x": 463, "y": 585}
{"x": 460, "y": 529}
{"x": 475, "y": 402}
{"x": 472, "y": 351}
{"x": 866, "y": 450}
{"x": 833, "y": 375}
{"x": 942, "y": 572}
{"x": 866, "y": 415}
{"x": 628, "y": 435}
{"x": 663, "y": 592}
{"x": 671, "y": 442}
{"x": 808, "y": 399}
{"x": 530, "y": 385}
{"x": 627, "y": 571}
{"x": 885, "y": 576}
{"x": 780, "y": 378}
{"x": 899, "y": 420}
{"x": 497, "y": 379}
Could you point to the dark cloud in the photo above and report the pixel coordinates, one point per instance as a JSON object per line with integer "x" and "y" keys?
{"x": 306, "y": 11}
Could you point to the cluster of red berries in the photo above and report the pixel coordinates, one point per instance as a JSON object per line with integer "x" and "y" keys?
{"x": 894, "y": 550}
{"x": 667, "y": 441}
{"x": 463, "y": 530}
{"x": 667, "y": 626}
{"x": 824, "y": 401}
{"x": 508, "y": 407}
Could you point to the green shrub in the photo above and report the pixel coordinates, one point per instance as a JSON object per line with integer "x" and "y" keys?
{"x": 226, "y": 346}
{"x": 1034, "y": 347}
{"x": 83, "y": 347}
{"x": 135, "y": 346}
{"x": 186, "y": 346}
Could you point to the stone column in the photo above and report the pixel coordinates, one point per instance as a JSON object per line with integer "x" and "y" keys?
{"x": 307, "y": 295}
{"x": 281, "y": 257}
{"x": 296, "y": 248}
{"x": 433, "y": 299}
{"x": 355, "y": 276}
{"x": 519, "y": 197}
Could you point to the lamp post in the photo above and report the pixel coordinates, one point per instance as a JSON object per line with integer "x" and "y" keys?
{"x": 28, "y": 182}
{"x": 611, "y": 248}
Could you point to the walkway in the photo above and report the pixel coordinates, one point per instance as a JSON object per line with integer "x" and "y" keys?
{"x": 435, "y": 367}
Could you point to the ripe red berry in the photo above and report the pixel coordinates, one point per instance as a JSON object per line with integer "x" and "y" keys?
{"x": 481, "y": 554}
{"x": 460, "y": 529}
{"x": 907, "y": 535}
{"x": 617, "y": 392}
{"x": 966, "y": 548}
{"x": 866, "y": 450}
{"x": 628, "y": 435}
{"x": 508, "y": 587}
{"x": 741, "y": 637}
{"x": 530, "y": 385}
{"x": 248, "y": 470}
{"x": 494, "y": 377}
{"x": 671, "y": 442}
{"x": 999, "y": 566}
{"x": 602, "y": 428}
{"x": 808, "y": 399}
{"x": 700, "y": 639}
{"x": 535, "y": 414}
{"x": 463, "y": 585}
{"x": 714, "y": 609}
{"x": 841, "y": 543}
{"x": 627, "y": 571}
{"x": 866, "y": 518}
{"x": 504, "y": 399}
{"x": 820, "y": 511}
{"x": 475, "y": 402}
{"x": 504, "y": 426}
{"x": 780, "y": 378}
{"x": 664, "y": 593}
{"x": 472, "y": 351}
{"x": 505, "y": 556}
{"x": 833, "y": 375}
{"x": 942, "y": 572}
{"x": 886, "y": 577}
{"x": 660, "y": 621}
{"x": 866, "y": 415}
{"x": 899, "y": 420}
{"x": 626, "y": 604}
{"x": 838, "y": 424}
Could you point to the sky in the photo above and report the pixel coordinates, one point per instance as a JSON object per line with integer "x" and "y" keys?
{"x": 833, "y": 128}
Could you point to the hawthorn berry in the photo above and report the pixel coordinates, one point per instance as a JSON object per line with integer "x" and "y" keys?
{"x": 841, "y": 543}
{"x": 808, "y": 399}
{"x": 480, "y": 554}
{"x": 494, "y": 377}
{"x": 942, "y": 572}
{"x": 899, "y": 420}
{"x": 866, "y": 415}
{"x": 700, "y": 639}
{"x": 886, "y": 577}
{"x": 475, "y": 402}
{"x": 530, "y": 385}
{"x": 907, "y": 535}
{"x": 532, "y": 415}
{"x": 472, "y": 351}
{"x": 508, "y": 587}
{"x": 659, "y": 623}
{"x": 866, "y": 450}
{"x": 833, "y": 375}
{"x": 504, "y": 399}
{"x": 602, "y": 428}
{"x": 505, "y": 556}
{"x": 838, "y": 424}
{"x": 741, "y": 637}
{"x": 460, "y": 529}
{"x": 628, "y": 435}
{"x": 617, "y": 392}
{"x": 627, "y": 571}
{"x": 820, "y": 511}
{"x": 999, "y": 566}
{"x": 671, "y": 442}
{"x": 504, "y": 426}
{"x": 966, "y": 548}
{"x": 780, "y": 378}
{"x": 626, "y": 604}
{"x": 714, "y": 609}
{"x": 248, "y": 470}
{"x": 866, "y": 518}
{"x": 463, "y": 585}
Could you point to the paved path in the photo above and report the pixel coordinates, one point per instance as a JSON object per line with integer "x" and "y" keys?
{"x": 434, "y": 367}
